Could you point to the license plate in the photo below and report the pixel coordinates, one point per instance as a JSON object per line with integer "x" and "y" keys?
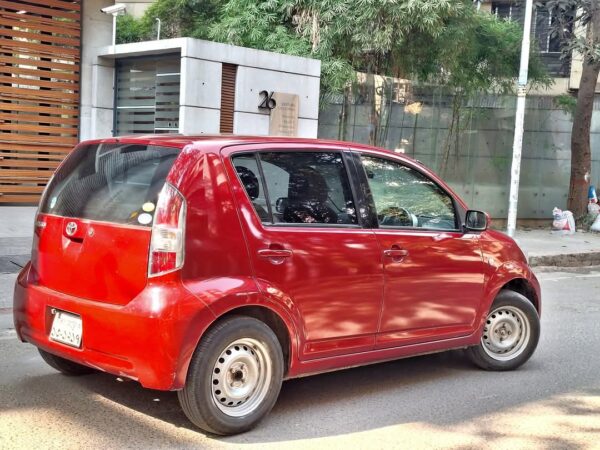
{"x": 66, "y": 329}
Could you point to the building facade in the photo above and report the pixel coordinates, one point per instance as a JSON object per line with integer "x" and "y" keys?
{"x": 61, "y": 81}
{"x": 192, "y": 86}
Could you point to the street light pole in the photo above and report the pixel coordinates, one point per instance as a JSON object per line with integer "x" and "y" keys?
{"x": 114, "y": 31}
{"x": 515, "y": 171}
{"x": 158, "y": 28}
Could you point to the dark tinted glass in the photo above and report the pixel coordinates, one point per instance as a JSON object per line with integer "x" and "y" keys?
{"x": 249, "y": 175}
{"x": 110, "y": 182}
{"x": 405, "y": 197}
{"x": 308, "y": 188}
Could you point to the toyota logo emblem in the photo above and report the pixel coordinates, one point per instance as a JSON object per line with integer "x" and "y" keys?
{"x": 71, "y": 228}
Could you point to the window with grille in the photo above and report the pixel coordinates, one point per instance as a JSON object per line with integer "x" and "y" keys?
{"x": 147, "y": 95}
{"x": 541, "y": 26}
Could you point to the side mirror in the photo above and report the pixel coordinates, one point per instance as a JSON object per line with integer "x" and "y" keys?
{"x": 476, "y": 221}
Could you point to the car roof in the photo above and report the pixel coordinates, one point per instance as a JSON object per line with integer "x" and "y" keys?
{"x": 232, "y": 139}
{"x": 224, "y": 140}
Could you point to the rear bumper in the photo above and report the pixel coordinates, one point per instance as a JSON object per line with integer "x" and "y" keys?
{"x": 151, "y": 339}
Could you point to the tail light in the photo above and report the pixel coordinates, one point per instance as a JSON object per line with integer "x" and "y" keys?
{"x": 166, "y": 245}
{"x": 40, "y": 223}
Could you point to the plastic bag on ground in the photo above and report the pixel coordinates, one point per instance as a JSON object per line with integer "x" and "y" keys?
{"x": 564, "y": 222}
{"x": 596, "y": 225}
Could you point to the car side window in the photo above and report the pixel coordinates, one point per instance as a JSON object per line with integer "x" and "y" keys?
{"x": 404, "y": 197}
{"x": 246, "y": 167}
{"x": 302, "y": 187}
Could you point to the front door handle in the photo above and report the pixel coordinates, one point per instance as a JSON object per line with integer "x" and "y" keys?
{"x": 396, "y": 253}
{"x": 275, "y": 256}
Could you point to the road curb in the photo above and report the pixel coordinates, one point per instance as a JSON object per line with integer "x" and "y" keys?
{"x": 566, "y": 260}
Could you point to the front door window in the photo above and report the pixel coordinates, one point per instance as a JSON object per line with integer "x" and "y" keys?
{"x": 406, "y": 198}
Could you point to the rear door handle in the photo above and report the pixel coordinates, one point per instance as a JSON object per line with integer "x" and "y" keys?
{"x": 396, "y": 253}
{"x": 271, "y": 253}
{"x": 275, "y": 256}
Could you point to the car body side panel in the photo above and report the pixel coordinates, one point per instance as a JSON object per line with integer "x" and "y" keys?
{"x": 334, "y": 275}
{"x": 504, "y": 262}
{"x": 223, "y": 296}
{"x": 329, "y": 364}
{"x": 214, "y": 243}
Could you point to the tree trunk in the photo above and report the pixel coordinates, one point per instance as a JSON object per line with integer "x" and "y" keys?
{"x": 581, "y": 157}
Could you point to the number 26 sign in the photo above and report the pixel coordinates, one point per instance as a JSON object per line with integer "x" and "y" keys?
{"x": 267, "y": 100}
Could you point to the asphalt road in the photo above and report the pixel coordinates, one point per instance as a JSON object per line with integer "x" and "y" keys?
{"x": 435, "y": 401}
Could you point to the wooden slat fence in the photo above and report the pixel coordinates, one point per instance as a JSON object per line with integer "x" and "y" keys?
{"x": 39, "y": 92}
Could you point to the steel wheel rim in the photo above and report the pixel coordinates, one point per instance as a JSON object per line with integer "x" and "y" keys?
{"x": 241, "y": 377}
{"x": 506, "y": 333}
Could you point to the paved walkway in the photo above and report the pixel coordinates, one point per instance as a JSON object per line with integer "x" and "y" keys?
{"x": 16, "y": 230}
{"x": 546, "y": 248}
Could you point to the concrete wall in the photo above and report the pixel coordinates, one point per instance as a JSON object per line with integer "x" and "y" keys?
{"x": 200, "y": 97}
{"x": 480, "y": 170}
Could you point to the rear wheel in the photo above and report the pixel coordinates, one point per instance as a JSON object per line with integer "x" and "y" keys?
{"x": 234, "y": 377}
{"x": 510, "y": 334}
{"x": 64, "y": 365}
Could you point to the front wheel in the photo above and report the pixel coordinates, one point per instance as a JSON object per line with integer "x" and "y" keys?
{"x": 234, "y": 378}
{"x": 510, "y": 334}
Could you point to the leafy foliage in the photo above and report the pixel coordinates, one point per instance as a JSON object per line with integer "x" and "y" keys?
{"x": 189, "y": 18}
{"x": 577, "y": 25}
{"x": 567, "y": 103}
{"x": 568, "y": 16}
{"x": 445, "y": 41}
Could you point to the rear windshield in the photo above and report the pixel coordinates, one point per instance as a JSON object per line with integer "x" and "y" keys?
{"x": 110, "y": 182}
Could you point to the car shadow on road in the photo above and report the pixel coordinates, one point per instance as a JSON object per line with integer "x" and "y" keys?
{"x": 428, "y": 389}
{"x": 420, "y": 389}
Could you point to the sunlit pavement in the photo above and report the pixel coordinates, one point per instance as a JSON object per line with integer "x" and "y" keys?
{"x": 432, "y": 401}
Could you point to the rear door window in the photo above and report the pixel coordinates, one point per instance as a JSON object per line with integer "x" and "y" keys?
{"x": 298, "y": 187}
{"x": 112, "y": 182}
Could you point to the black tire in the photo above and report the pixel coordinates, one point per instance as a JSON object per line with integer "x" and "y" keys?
{"x": 512, "y": 309}
{"x": 65, "y": 366}
{"x": 248, "y": 341}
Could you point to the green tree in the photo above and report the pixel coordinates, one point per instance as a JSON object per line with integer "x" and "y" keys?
{"x": 443, "y": 42}
{"x": 188, "y": 18}
{"x": 577, "y": 25}
{"x": 483, "y": 58}
{"x": 346, "y": 35}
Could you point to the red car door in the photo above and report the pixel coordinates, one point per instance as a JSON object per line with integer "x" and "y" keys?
{"x": 434, "y": 272}
{"x": 307, "y": 244}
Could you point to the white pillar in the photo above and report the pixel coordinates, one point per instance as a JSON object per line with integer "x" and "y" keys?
{"x": 515, "y": 171}
{"x": 96, "y": 33}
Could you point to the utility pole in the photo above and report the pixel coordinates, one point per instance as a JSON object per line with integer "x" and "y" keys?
{"x": 515, "y": 171}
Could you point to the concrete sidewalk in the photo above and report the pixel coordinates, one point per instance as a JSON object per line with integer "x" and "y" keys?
{"x": 546, "y": 248}
{"x": 16, "y": 231}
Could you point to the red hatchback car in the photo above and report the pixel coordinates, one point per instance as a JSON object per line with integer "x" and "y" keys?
{"x": 219, "y": 266}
